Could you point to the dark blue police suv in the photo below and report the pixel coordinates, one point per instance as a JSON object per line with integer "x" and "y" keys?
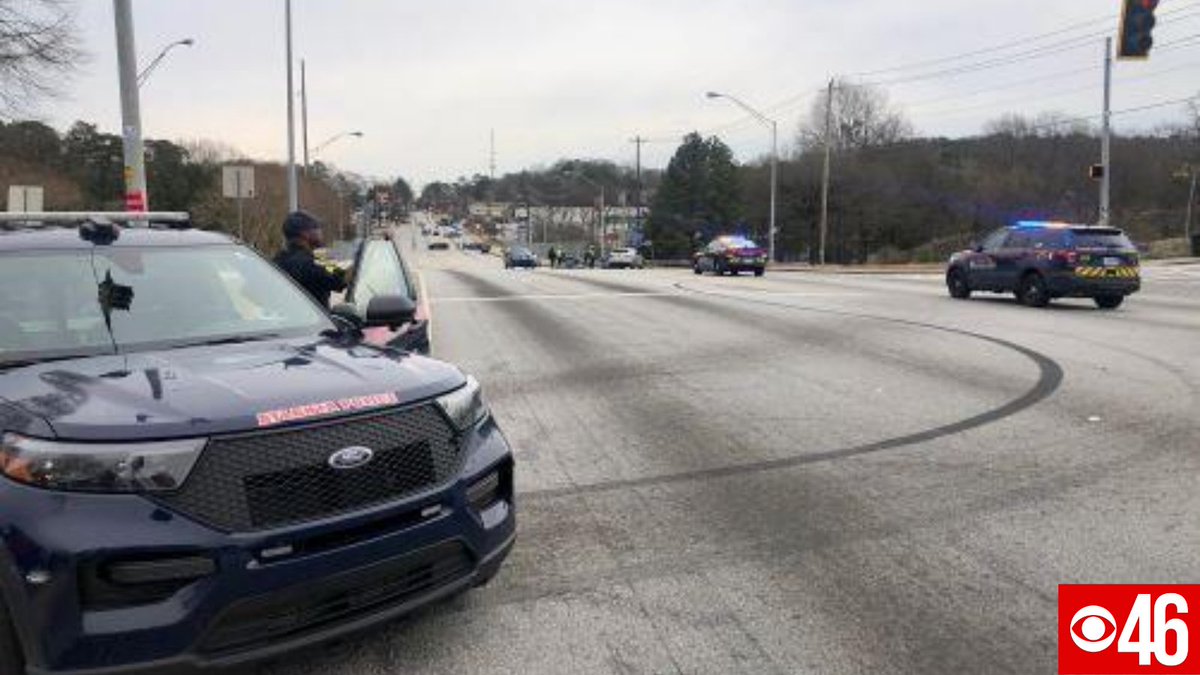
{"x": 201, "y": 467}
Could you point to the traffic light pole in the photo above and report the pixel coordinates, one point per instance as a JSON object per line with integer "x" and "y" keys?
{"x": 1106, "y": 137}
{"x": 131, "y": 116}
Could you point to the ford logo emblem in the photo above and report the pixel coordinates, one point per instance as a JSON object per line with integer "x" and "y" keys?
{"x": 351, "y": 458}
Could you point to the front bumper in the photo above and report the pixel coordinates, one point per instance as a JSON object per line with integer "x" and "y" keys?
{"x": 1077, "y": 285}
{"x": 347, "y": 572}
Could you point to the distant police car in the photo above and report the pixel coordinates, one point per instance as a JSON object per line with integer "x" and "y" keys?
{"x": 1041, "y": 261}
{"x": 199, "y": 466}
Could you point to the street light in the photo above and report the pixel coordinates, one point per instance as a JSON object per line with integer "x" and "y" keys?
{"x": 145, "y": 74}
{"x": 576, "y": 173}
{"x": 330, "y": 141}
{"x": 774, "y": 158}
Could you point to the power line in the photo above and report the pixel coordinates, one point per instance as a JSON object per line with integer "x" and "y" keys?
{"x": 1008, "y": 45}
{"x": 1061, "y": 92}
{"x": 1181, "y": 13}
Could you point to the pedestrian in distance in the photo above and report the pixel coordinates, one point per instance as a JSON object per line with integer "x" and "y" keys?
{"x": 552, "y": 254}
{"x": 302, "y": 233}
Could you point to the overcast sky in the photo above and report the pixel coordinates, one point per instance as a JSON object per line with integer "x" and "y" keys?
{"x": 427, "y": 81}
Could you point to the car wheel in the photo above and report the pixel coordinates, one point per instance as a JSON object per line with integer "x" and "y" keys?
{"x": 11, "y": 660}
{"x": 956, "y": 282}
{"x": 1033, "y": 290}
{"x": 1109, "y": 301}
{"x": 759, "y": 272}
{"x": 696, "y": 269}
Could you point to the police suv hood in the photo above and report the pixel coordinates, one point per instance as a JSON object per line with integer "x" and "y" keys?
{"x": 199, "y": 391}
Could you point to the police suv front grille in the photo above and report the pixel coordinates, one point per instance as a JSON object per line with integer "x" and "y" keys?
{"x": 275, "y": 478}
{"x": 326, "y": 603}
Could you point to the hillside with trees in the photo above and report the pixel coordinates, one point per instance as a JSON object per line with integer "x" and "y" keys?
{"x": 81, "y": 169}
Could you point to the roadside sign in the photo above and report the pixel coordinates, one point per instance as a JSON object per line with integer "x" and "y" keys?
{"x": 25, "y": 198}
{"x": 237, "y": 182}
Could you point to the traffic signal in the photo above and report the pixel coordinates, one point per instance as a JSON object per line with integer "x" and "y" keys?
{"x": 1096, "y": 171}
{"x": 1137, "y": 23}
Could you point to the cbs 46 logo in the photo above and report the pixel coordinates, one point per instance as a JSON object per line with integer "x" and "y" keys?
{"x": 1150, "y": 629}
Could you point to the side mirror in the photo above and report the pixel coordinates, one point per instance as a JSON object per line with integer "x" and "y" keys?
{"x": 390, "y": 310}
{"x": 978, "y": 248}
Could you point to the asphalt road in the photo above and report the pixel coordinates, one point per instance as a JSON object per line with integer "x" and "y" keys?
{"x": 806, "y": 473}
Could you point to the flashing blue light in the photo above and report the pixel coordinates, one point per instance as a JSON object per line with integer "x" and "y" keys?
{"x": 1040, "y": 224}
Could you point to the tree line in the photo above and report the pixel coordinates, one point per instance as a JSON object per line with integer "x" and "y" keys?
{"x": 82, "y": 170}
{"x": 895, "y": 196}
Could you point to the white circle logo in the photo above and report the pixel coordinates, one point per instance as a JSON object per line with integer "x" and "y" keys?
{"x": 351, "y": 458}
{"x": 1090, "y": 637}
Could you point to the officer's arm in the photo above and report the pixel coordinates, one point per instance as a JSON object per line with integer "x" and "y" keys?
{"x": 316, "y": 276}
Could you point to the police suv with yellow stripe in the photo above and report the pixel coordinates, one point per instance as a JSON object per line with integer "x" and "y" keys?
{"x": 1040, "y": 261}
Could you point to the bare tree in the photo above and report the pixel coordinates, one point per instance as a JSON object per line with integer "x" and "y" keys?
{"x": 861, "y": 117}
{"x": 38, "y": 45}
{"x": 1047, "y": 124}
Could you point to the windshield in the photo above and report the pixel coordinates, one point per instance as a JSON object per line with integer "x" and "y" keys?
{"x": 64, "y": 303}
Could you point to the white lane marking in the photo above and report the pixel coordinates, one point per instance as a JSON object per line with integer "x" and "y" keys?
{"x": 428, "y": 306}
{"x": 614, "y": 296}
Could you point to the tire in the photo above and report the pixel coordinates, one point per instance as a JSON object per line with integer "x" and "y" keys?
{"x": 759, "y": 272}
{"x": 1033, "y": 291}
{"x": 696, "y": 269}
{"x": 1109, "y": 301}
{"x": 957, "y": 284}
{"x": 11, "y": 660}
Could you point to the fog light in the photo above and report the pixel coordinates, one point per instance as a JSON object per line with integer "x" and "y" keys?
{"x": 485, "y": 491}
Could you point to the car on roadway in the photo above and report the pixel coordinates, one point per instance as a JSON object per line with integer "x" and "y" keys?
{"x": 1040, "y": 261}
{"x": 438, "y": 243}
{"x": 731, "y": 255}
{"x": 200, "y": 466}
{"x": 623, "y": 258}
{"x": 381, "y": 270}
{"x": 519, "y": 256}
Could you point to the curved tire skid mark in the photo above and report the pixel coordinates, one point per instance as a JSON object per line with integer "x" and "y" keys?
{"x": 1049, "y": 380}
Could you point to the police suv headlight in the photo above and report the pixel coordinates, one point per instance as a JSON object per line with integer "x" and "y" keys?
{"x": 99, "y": 467}
{"x": 465, "y": 406}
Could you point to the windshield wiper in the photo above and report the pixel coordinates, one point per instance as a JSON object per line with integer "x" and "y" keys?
{"x": 232, "y": 340}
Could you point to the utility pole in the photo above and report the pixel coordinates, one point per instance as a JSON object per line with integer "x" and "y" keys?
{"x": 638, "y": 141}
{"x": 774, "y": 187}
{"x": 492, "y": 157}
{"x": 825, "y": 171}
{"x": 1187, "y": 224}
{"x": 292, "y": 186}
{"x": 1106, "y": 137}
{"x": 304, "y": 114}
{"x": 131, "y": 116}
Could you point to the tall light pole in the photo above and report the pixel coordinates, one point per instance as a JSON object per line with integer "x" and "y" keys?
{"x": 131, "y": 116}
{"x": 774, "y": 127}
{"x": 304, "y": 115}
{"x": 293, "y": 195}
{"x": 145, "y": 74}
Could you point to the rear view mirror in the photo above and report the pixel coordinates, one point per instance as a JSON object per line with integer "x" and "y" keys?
{"x": 390, "y": 311}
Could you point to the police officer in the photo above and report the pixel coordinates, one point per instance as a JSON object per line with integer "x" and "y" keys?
{"x": 303, "y": 234}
